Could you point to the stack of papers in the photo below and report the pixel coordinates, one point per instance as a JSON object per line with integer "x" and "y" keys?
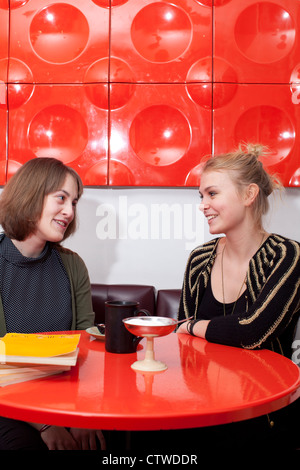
{"x": 30, "y": 356}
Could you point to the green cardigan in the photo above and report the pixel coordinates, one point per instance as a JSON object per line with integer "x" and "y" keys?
{"x": 82, "y": 309}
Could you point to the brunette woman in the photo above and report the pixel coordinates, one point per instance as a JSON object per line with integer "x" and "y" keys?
{"x": 43, "y": 286}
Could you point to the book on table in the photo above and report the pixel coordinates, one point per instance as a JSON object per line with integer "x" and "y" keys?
{"x": 30, "y": 356}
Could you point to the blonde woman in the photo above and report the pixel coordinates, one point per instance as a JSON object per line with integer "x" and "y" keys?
{"x": 243, "y": 288}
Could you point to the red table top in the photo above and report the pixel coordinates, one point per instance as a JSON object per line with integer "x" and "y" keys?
{"x": 205, "y": 384}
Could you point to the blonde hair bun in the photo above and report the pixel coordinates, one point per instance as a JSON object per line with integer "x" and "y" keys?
{"x": 246, "y": 167}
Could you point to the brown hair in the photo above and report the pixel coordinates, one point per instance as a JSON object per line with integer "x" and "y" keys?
{"x": 22, "y": 199}
{"x": 245, "y": 168}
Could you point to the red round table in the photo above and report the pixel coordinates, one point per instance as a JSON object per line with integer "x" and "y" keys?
{"x": 205, "y": 384}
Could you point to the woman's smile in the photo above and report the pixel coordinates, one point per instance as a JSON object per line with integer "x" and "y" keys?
{"x": 58, "y": 212}
{"x": 222, "y": 205}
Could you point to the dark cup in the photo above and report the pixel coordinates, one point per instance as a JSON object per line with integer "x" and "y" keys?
{"x": 117, "y": 338}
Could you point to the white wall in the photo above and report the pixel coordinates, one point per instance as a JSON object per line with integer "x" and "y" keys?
{"x": 144, "y": 235}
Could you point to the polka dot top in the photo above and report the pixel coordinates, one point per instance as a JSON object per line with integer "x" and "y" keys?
{"x": 35, "y": 292}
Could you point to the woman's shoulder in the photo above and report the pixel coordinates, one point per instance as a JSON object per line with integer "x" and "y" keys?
{"x": 284, "y": 248}
{"x": 207, "y": 246}
{"x": 68, "y": 256}
{"x": 205, "y": 251}
{"x": 279, "y": 241}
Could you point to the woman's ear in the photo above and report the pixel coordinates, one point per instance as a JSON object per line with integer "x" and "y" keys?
{"x": 251, "y": 193}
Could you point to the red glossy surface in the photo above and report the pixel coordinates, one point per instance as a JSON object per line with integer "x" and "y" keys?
{"x": 204, "y": 384}
{"x": 4, "y": 35}
{"x": 58, "y": 40}
{"x": 3, "y": 126}
{"x": 4, "y": 23}
{"x": 261, "y": 113}
{"x": 160, "y": 40}
{"x": 59, "y": 121}
{"x": 159, "y": 134}
{"x": 160, "y": 85}
{"x": 260, "y": 41}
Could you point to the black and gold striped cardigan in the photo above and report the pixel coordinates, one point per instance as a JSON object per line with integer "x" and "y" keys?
{"x": 273, "y": 281}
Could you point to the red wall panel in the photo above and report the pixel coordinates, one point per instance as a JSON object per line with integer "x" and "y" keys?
{"x": 3, "y": 132}
{"x": 59, "y": 40}
{"x": 161, "y": 41}
{"x": 260, "y": 113}
{"x": 259, "y": 39}
{"x": 159, "y": 135}
{"x": 58, "y": 121}
{"x": 4, "y": 34}
{"x": 137, "y": 92}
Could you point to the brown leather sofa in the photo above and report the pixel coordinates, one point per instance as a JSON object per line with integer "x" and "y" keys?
{"x": 143, "y": 294}
{"x": 165, "y": 303}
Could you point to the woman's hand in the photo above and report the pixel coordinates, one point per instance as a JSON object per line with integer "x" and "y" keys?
{"x": 59, "y": 438}
{"x": 182, "y": 328}
{"x": 199, "y": 329}
{"x": 87, "y": 438}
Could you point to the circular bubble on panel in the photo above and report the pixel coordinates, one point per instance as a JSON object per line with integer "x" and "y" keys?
{"x": 20, "y": 86}
{"x": 193, "y": 177}
{"x": 59, "y": 33}
{"x": 97, "y": 88}
{"x": 223, "y": 93}
{"x": 58, "y": 131}
{"x": 265, "y": 32}
{"x": 224, "y": 71}
{"x": 3, "y": 97}
{"x": 124, "y": 175}
{"x": 160, "y": 135}
{"x": 161, "y": 32}
{"x": 3, "y": 81}
{"x": 98, "y": 174}
{"x": 18, "y": 71}
{"x": 12, "y": 4}
{"x": 270, "y": 127}
{"x": 120, "y": 71}
{"x": 11, "y": 167}
{"x": 226, "y": 88}
{"x": 200, "y": 71}
{"x": 97, "y": 93}
{"x": 108, "y": 3}
{"x": 295, "y": 179}
{"x": 295, "y": 93}
{"x": 201, "y": 94}
{"x": 295, "y": 75}
{"x": 19, "y": 94}
{"x": 120, "y": 94}
{"x": 215, "y": 3}
{"x": 20, "y": 82}
{"x": 97, "y": 72}
{"x": 96, "y": 83}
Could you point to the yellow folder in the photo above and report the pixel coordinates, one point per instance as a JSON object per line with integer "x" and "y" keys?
{"x": 38, "y": 345}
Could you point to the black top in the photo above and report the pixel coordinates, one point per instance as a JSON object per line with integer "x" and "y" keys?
{"x": 35, "y": 292}
{"x": 272, "y": 305}
{"x": 210, "y": 307}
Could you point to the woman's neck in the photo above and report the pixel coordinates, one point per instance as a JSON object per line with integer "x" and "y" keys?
{"x": 244, "y": 245}
{"x": 29, "y": 248}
